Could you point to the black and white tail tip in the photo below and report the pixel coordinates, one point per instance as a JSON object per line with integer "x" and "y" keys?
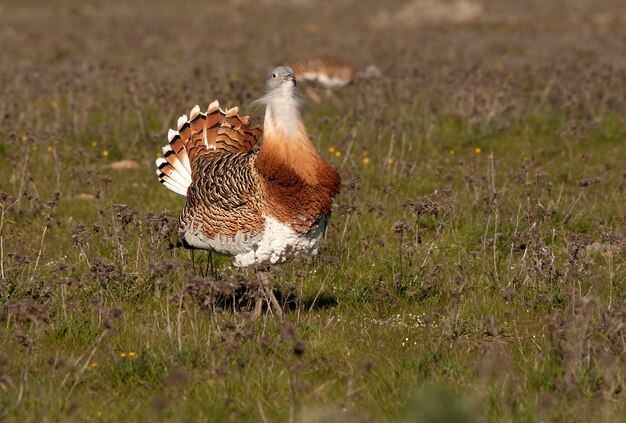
{"x": 174, "y": 169}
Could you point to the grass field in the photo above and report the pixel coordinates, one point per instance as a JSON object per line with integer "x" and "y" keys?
{"x": 475, "y": 266}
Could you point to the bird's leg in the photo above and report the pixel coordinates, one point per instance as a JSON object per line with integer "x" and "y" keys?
{"x": 209, "y": 265}
{"x": 258, "y": 305}
{"x": 193, "y": 262}
{"x": 266, "y": 293}
{"x": 313, "y": 95}
{"x": 330, "y": 95}
{"x": 212, "y": 264}
{"x": 277, "y": 308}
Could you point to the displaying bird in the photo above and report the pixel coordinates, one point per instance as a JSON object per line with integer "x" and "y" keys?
{"x": 261, "y": 206}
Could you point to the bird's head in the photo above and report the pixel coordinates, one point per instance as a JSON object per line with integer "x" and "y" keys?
{"x": 280, "y": 91}
{"x": 281, "y": 78}
{"x": 282, "y": 103}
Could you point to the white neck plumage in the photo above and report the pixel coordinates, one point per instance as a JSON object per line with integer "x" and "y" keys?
{"x": 282, "y": 112}
{"x": 285, "y": 139}
{"x": 284, "y": 116}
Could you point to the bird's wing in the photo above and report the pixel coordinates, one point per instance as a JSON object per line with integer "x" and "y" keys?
{"x": 225, "y": 199}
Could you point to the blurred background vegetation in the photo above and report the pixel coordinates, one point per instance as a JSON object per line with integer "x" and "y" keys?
{"x": 474, "y": 268}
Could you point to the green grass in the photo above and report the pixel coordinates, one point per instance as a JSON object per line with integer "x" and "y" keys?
{"x": 473, "y": 271}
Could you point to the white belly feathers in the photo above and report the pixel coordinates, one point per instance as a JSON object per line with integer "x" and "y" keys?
{"x": 277, "y": 243}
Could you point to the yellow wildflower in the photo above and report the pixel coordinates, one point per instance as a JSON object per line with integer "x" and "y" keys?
{"x": 366, "y": 160}
{"x": 132, "y": 354}
{"x": 105, "y": 153}
{"x": 331, "y": 150}
{"x": 50, "y": 149}
{"x": 94, "y": 143}
{"x": 452, "y": 151}
{"x": 389, "y": 161}
{"x": 477, "y": 150}
{"x": 99, "y": 413}
{"x": 34, "y": 148}
{"x": 24, "y": 137}
{"x": 54, "y": 104}
{"x": 123, "y": 354}
{"x": 337, "y": 153}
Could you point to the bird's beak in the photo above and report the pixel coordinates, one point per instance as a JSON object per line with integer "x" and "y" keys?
{"x": 290, "y": 78}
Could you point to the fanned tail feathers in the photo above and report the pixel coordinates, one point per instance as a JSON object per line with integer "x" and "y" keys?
{"x": 212, "y": 132}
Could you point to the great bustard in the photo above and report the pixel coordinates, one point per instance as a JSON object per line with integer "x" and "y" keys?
{"x": 259, "y": 207}
{"x": 331, "y": 72}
